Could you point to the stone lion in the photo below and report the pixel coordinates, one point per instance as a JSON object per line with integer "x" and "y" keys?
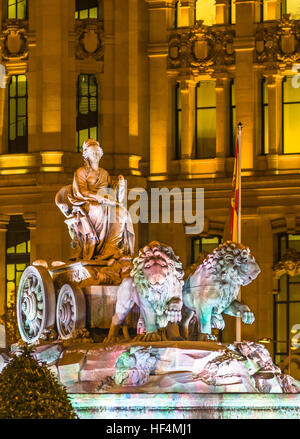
{"x": 212, "y": 288}
{"x": 155, "y": 285}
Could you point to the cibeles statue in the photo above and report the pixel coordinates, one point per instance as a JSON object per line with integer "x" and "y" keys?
{"x": 99, "y": 224}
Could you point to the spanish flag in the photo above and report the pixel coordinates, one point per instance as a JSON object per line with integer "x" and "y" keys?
{"x": 235, "y": 196}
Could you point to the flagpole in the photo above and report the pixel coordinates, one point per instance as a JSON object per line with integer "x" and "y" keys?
{"x": 239, "y": 220}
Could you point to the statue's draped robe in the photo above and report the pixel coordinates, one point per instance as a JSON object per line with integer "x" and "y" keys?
{"x": 112, "y": 224}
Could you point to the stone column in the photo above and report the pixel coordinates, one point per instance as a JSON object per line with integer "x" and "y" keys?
{"x": 247, "y": 13}
{"x": 273, "y": 9}
{"x": 3, "y": 117}
{"x": 246, "y": 78}
{"x": 161, "y": 19}
{"x": 4, "y": 220}
{"x": 274, "y": 84}
{"x": 30, "y": 219}
{"x": 51, "y": 65}
{"x": 222, "y": 121}
{"x": 125, "y": 106}
{"x": 222, "y": 11}
{"x": 187, "y": 12}
{"x": 107, "y": 89}
{"x": 187, "y": 90}
{"x": 122, "y": 82}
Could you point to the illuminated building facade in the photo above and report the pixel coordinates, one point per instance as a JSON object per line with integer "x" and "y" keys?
{"x": 162, "y": 84}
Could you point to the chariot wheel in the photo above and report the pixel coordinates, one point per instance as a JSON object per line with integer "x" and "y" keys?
{"x": 35, "y": 303}
{"x": 70, "y": 311}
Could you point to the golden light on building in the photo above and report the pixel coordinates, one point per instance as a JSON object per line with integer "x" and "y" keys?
{"x": 163, "y": 86}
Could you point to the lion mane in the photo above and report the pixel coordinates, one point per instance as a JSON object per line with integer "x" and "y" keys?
{"x": 226, "y": 267}
{"x": 225, "y": 262}
{"x": 172, "y": 285}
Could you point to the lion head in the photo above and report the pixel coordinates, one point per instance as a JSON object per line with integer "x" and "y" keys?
{"x": 154, "y": 264}
{"x": 158, "y": 276}
{"x": 232, "y": 262}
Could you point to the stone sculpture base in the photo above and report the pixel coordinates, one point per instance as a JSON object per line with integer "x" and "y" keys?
{"x": 165, "y": 367}
{"x": 186, "y": 379}
{"x": 186, "y": 406}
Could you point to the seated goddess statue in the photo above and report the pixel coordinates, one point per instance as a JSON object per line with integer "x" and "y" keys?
{"x": 98, "y": 222}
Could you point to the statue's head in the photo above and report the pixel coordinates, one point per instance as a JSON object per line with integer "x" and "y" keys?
{"x": 92, "y": 151}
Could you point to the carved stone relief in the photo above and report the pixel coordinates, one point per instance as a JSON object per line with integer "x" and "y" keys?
{"x": 89, "y": 39}
{"x": 201, "y": 49}
{"x": 13, "y": 39}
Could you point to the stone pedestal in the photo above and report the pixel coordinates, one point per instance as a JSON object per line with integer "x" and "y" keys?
{"x": 101, "y": 301}
{"x": 186, "y": 406}
{"x": 101, "y": 304}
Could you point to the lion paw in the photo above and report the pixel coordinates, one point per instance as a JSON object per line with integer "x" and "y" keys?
{"x": 150, "y": 336}
{"x": 174, "y": 316}
{"x": 112, "y": 340}
{"x": 206, "y": 337}
{"x": 248, "y": 317}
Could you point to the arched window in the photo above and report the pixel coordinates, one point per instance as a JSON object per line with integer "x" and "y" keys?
{"x": 88, "y": 9}
{"x": 205, "y": 120}
{"x": 17, "y": 9}
{"x": 206, "y": 11}
{"x": 17, "y": 259}
{"x": 87, "y": 109}
{"x": 290, "y": 116}
{"x": 17, "y": 114}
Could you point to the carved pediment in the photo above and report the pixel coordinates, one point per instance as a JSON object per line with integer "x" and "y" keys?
{"x": 200, "y": 49}
{"x": 278, "y": 43}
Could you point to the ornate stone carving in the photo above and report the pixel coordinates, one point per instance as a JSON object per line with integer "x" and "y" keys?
{"x": 155, "y": 286}
{"x": 134, "y": 366}
{"x": 212, "y": 289}
{"x": 35, "y": 303}
{"x": 13, "y": 38}
{"x": 70, "y": 311}
{"x": 89, "y": 39}
{"x": 166, "y": 368}
{"x": 86, "y": 273}
{"x": 200, "y": 49}
{"x": 278, "y": 43}
{"x": 289, "y": 264}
